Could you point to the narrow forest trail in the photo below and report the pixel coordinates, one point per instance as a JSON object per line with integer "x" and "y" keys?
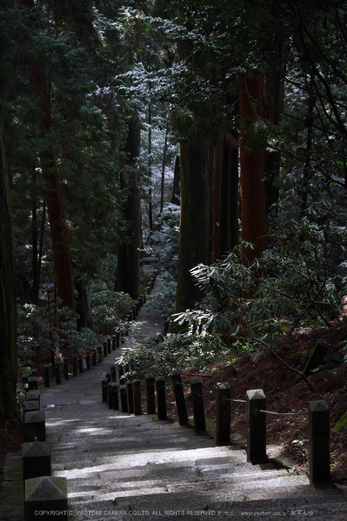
{"x": 120, "y": 466}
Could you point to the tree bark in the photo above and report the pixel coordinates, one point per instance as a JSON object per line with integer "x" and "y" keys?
{"x": 128, "y": 272}
{"x": 8, "y": 309}
{"x": 194, "y": 242}
{"x": 55, "y": 205}
{"x": 253, "y": 215}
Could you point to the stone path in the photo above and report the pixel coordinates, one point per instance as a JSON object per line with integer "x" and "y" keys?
{"x": 123, "y": 467}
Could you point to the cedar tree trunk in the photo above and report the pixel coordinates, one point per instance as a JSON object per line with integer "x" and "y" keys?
{"x": 253, "y": 216}
{"x": 8, "y": 310}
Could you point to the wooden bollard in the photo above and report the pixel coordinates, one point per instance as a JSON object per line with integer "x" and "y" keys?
{"x": 223, "y": 414}
{"x": 319, "y": 428}
{"x": 110, "y": 395}
{"x": 32, "y": 383}
{"x": 100, "y": 354}
{"x": 114, "y": 392}
{"x": 113, "y": 343}
{"x": 57, "y": 373}
{"x": 104, "y": 384}
{"x": 35, "y": 426}
{"x": 130, "y": 395}
{"x": 80, "y": 364}
{"x": 123, "y": 398}
{"x": 198, "y": 405}
{"x": 46, "y": 494}
{"x": 36, "y": 459}
{"x": 144, "y": 298}
{"x": 179, "y": 396}
{"x": 46, "y": 375}
{"x": 108, "y": 345}
{"x": 150, "y": 393}
{"x": 161, "y": 398}
{"x": 137, "y": 397}
{"x": 113, "y": 373}
{"x": 117, "y": 339}
{"x": 66, "y": 368}
{"x": 94, "y": 358}
{"x": 105, "y": 349}
{"x": 256, "y": 426}
{"x": 74, "y": 366}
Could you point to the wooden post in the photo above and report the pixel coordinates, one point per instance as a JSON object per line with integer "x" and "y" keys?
{"x": 223, "y": 414}
{"x": 94, "y": 358}
{"x": 110, "y": 395}
{"x": 198, "y": 405}
{"x": 108, "y": 345}
{"x": 104, "y": 389}
{"x": 123, "y": 398}
{"x": 113, "y": 373}
{"x": 105, "y": 349}
{"x": 256, "y": 426}
{"x": 74, "y": 366}
{"x": 137, "y": 397}
{"x": 113, "y": 343}
{"x": 319, "y": 427}
{"x": 179, "y": 396}
{"x": 100, "y": 353}
{"x": 161, "y": 398}
{"x": 150, "y": 394}
{"x": 46, "y": 375}
{"x": 80, "y": 364}
{"x": 57, "y": 373}
{"x": 117, "y": 339}
{"x": 130, "y": 394}
{"x": 114, "y": 391}
{"x": 66, "y": 368}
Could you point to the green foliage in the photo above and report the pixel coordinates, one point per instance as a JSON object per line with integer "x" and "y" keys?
{"x": 37, "y": 336}
{"x": 300, "y": 277}
{"x": 108, "y": 307}
{"x": 161, "y": 355}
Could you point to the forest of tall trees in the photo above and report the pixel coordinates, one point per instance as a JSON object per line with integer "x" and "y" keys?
{"x": 98, "y": 98}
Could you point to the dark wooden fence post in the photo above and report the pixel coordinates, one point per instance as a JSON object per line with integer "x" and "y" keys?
{"x": 130, "y": 397}
{"x": 198, "y": 405}
{"x": 161, "y": 397}
{"x": 319, "y": 427}
{"x": 74, "y": 366}
{"x": 104, "y": 384}
{"x": 94, "y": 357}
{"x": 105, "y": 349}
{"x": 108, "y": 345}
{"x": 46, "y": 375}
{"x": 66, "y": 368}
{"x": 57, "y": 373}
{"x": 223, "y": 414}
{"x": 256, "y": 426}
{"x": 114, "y": 391}
{"x": 123, "y": 398}
{"x": 179, "y": 396}
{"x": 137, "y": 397}
{"x": 150, "y": 393}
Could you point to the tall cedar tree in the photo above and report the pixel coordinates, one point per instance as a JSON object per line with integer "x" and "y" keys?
{"x": 8, "y": 310}
{"x": 253, "y": 216}
{"x": 55, "y": 205}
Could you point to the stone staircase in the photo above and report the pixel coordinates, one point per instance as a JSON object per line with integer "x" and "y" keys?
{"x": 120, "y": 467}
{"x": 135, "y": 467}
